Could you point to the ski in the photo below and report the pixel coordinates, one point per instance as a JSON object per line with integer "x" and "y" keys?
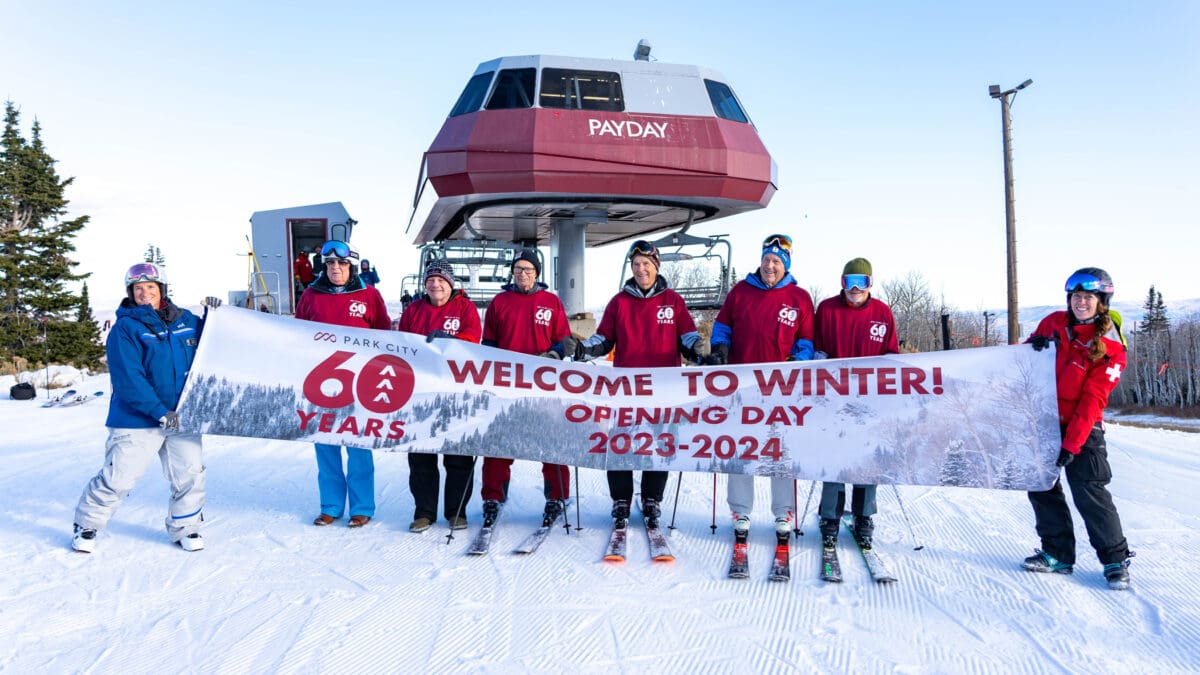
{"x": 533, "y": 541}
{"x": 483, "y": 538}
{"x": 660, "y": 551}
{"x": 780, "y": 569}
{"x": 79, "y": 400}
{"x": 876, "y": 565}
{"x": 739, "y": 564}
{"x": 616, "y": 541}
{"x": 59, "y": 399}
{"x": 831, "y": 569}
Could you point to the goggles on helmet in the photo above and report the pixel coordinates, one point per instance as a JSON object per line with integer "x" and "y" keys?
{"x": 145, "y": 272}
{"x": 642, "y": 247}
{"x": 338, "y": 249}
{"x": 860, "y": 282}
{"x": 1082, "y": 281}
{"x": 781, "y": 240}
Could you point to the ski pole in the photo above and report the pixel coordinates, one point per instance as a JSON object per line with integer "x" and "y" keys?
{"x": 676, "y": 506}
{"x": 563, "y": 491}
{"x": 714, "y": 500}
{"x": 807, "y": 500}
{"x": 462, "y": 501}
{"x": 904, "y": 512}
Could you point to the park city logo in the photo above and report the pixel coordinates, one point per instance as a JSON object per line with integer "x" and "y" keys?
{"x": 380, "y": 387}
{"x": 322, "y": 336}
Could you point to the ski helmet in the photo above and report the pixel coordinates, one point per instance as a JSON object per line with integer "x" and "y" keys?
{"x": 1092, "y": 280}
{"x": 146, "y": 272}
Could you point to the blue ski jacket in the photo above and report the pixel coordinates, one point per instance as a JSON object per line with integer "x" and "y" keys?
{"x": 149, "y": 355}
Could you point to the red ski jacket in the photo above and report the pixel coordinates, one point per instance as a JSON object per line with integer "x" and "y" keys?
{"x": 457, "y": 317}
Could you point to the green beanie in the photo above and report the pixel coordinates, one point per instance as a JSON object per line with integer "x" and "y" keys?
{"x": 857, "y": 266}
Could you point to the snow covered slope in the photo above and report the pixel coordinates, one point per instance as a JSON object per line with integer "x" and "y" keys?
{"x": 272, "y": 593}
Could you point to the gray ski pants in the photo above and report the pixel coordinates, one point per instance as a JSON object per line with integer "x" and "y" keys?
{"x": 741, "y": 495}
{"x": 127, "y": 453}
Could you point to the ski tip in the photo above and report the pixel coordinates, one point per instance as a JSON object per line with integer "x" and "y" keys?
{"x": 664, "y": 558}
{"x": 918, "y": 548}
{"x": 614, "y": 558}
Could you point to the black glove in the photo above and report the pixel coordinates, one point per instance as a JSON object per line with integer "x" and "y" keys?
{"x": 550, "y": 355}
{"x": 790, "y": 357}
{"x": 438, "y": 334}
{"x": 170, "y": 421}
{"x": 1065, "y": 457}
{"x": 716, "y": 359}
{"x": 1040, "y": 342}
{"x": 572, "y": 348}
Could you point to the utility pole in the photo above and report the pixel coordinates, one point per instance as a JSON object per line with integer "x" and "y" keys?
{"x": 1006, "y": 97}
{"x": 987, "y": 325}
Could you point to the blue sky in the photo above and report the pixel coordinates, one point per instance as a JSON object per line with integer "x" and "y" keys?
{"x": 180, "y": 120}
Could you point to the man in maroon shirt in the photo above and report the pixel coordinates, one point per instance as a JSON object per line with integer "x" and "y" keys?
{"x": 765, "y": 318}
{"x": 847, "y": 325}
{"x": 650, "y": 326}
{"x": 443, "y": 312}
{"x": 339, "y": 297}
{"x": 526, "y": 318}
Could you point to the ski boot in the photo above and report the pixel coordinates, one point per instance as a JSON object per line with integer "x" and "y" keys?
{"x": 783, "y": 526}
{"x": 554, "y": 509}
{"x": 651, "y": 511}
{"x": 1117, "y": 575}
{"x": 741, "y": 524}
{"x": 491, "y": 511}
{"x": 1041, "y": 561}
{"x": 863, "y": 530}
{"x": 829, "y": 532}
{"x": 620, "y": 513}
{"x": 84, "y": 540}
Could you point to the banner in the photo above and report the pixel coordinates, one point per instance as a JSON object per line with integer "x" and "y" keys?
{"x": 971, "y": 418}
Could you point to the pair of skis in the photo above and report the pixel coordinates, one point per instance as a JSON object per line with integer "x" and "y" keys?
{"x": 70, "y": 398}
{"x": 660, "y": 551}
{"x": 739, "y": 564}
{"x": 831, "y": 569}
{"x": 482, "y": 542}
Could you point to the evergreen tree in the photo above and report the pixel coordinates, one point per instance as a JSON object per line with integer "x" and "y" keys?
{"x": 154, "y": 255}
{"x": 1155, "y": 319}
{"x": 35, "y": 248}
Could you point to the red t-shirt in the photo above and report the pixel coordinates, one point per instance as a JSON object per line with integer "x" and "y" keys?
{"x": 457, "y": 317}
{"x": 765, "y": 323}
{"x": 362, "y": 308}
{"x": 526, "y": 323}
{"x": 843, "y": 332}
{"x": 646, "y": 330}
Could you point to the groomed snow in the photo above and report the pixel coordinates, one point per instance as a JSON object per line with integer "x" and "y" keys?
{"x": 272, "y": 593}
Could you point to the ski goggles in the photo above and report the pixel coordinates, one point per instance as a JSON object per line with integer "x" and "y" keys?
{"x": 1088, "y": 282}
{"x": 145, "y": 272}
{"x": 859, "y": 282}
{"x": 781, "y": 240}
{"x": 338, "y": 250}
{"x": 642, "y": 247}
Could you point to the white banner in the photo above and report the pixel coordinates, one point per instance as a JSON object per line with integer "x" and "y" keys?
{"x": 970, "y": 418}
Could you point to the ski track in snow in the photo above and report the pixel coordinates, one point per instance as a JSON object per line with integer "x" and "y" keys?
{"x": 272, "y": 593}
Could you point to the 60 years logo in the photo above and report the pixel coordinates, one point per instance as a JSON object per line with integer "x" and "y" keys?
{"x": 383, "y": 385}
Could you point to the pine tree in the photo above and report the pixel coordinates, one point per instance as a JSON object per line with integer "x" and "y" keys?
{"x": 35, "y": 247}
{"x": 154, "y": 255}
{"x": 1155, "y": 319}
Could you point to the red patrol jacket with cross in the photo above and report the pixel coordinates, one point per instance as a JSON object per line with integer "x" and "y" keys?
{"x": 457, "y": 317}
{"x": 1083, "y": 384}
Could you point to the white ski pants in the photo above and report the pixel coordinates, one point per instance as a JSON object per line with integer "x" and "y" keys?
{"x": 741, "y": 495}
{"x": 127, "y": 453}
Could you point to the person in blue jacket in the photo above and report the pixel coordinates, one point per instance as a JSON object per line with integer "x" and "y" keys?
{"x": 150, "y": 351}
{"x": 368, "y": 274}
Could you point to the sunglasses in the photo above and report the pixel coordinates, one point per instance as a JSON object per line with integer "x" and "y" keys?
{"x": 337, "y": 261}
{"x": 642, "y": 247}
{"x": 781, "y": 240}
{"x": 524, "y": 270}
{"x": 144, "y": 272}
{"x": 336, "y": 248}
{"x": 860, "y": 282}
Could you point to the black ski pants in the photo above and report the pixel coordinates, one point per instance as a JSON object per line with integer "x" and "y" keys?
{"x": 423, "y": 480}
{"x": 620, "y": 485}
{"x": 1088, "y": 475}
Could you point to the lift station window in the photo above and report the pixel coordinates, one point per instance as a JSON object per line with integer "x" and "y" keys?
{"x": 514, "y": 89}
{"x": 581, "y": 90}
{"x": 472, "y": 97}
{"x": 724, "y": 103}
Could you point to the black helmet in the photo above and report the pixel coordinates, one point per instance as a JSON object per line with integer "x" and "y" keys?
{"x": 1092, "y": 280}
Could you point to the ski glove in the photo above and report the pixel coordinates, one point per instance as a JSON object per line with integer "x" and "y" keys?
{"x": 170, "y": 421}
{"x": 1065, "y": 457}
{"x": 718, "y": 356}
{"x": 551, "y": 355}
{"x": 1040, "y": 342}
{"x": 572, "y": 348}
{"x": 212, "y": 301}
{"x": 438, "y": 334}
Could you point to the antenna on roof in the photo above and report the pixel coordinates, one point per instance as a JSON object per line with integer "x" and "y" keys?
{"x": 642, "y": 53}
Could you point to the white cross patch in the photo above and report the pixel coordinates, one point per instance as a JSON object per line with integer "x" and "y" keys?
{"x": 1113, "y": 372}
